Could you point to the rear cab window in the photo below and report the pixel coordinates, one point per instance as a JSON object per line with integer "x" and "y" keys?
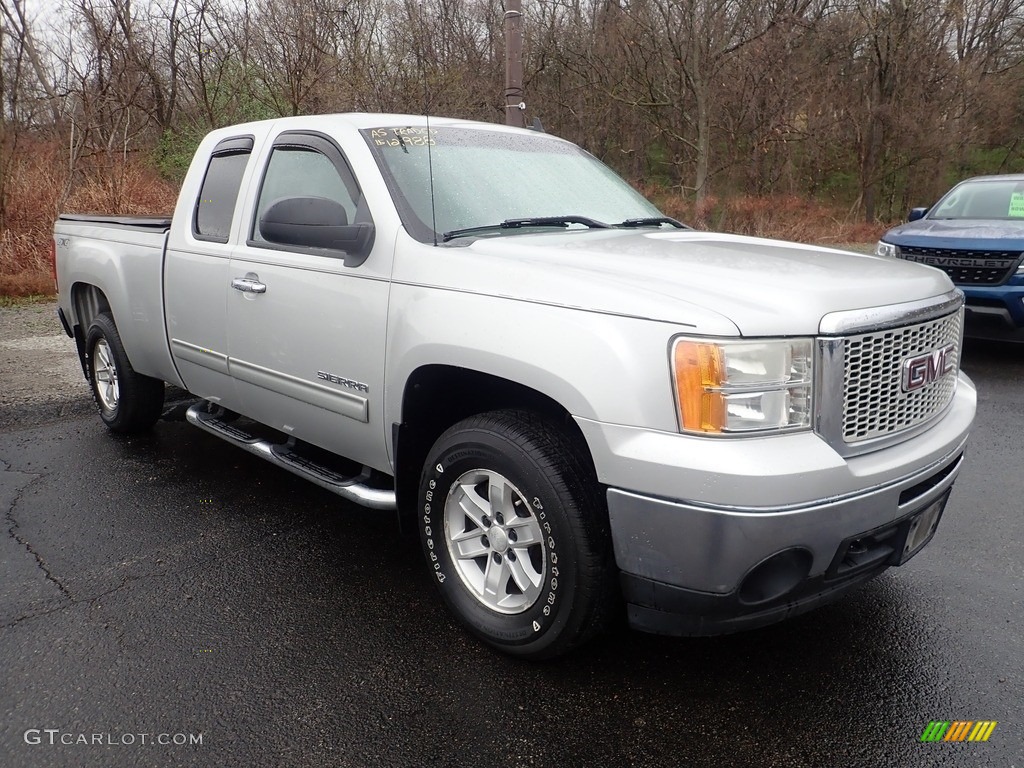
{"x": 218, "y": 195}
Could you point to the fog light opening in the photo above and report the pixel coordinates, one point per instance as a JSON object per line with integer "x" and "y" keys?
{"x": 775, "y": 576}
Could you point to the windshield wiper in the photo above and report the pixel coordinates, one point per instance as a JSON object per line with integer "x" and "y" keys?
{"x": 536, "y": 221}
{"x": 651, "y": 221}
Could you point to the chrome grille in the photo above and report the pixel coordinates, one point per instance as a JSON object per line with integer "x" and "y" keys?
{"x": 875, "y": 404}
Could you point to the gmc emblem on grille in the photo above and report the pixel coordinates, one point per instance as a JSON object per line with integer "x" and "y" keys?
{"x": 925, "y": 369}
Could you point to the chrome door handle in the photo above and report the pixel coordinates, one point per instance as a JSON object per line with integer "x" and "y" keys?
{"x": 248, "y": 285}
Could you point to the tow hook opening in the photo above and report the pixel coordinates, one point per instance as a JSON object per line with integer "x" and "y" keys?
{"x": 857, "y": 547}
{"x": 775, "y": 576}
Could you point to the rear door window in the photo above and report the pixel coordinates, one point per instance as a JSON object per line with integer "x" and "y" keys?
{"x": 218, "y": 195}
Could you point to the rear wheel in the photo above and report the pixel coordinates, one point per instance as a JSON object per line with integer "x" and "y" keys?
{"x": 515, "y": 532}
{"x": 128, "y": 401}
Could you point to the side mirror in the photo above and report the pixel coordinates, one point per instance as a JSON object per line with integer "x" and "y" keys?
{"x": 316, "y": 222}
{"x": 917, "y": 213}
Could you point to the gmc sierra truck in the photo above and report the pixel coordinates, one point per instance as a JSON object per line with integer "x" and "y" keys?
{"x": 586, "y": 408}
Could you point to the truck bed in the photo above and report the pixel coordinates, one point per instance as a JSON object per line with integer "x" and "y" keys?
{"x": 121, "y": 258}
{"x": 149, "y": 223}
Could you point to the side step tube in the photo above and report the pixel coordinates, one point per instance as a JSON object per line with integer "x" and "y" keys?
{"x": 350, "y": 488}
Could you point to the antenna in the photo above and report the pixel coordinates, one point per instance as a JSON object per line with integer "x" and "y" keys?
{"x": 430, "y": 164}
{"x": 426, "y": 117}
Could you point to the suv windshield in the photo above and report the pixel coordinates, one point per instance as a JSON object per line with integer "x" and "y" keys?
{"x": 485, "y": 177}
{"x": 982, "y": 199}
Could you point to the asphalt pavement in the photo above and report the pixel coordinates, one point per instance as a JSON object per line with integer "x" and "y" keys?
{"x": 169, "y": 600}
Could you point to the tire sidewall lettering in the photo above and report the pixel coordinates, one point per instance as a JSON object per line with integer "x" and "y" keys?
{"x": 544, "y": 614}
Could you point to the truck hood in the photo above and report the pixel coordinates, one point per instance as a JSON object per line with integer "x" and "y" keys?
{"x": 716, "y": 283}
{"x": 973, "y": 234}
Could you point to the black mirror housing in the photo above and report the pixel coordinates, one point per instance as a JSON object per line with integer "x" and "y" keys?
{"x": 317, "y": 222}
{"x": 917, "y": 213}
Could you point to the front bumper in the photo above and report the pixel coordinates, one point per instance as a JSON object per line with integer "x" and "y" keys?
{"x": 758, "y": 530}
{"x": 786, "y": 562}
{"x": 662, "y": 609}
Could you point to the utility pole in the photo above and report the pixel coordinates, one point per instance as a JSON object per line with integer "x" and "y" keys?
{"x": 515, "y": 107}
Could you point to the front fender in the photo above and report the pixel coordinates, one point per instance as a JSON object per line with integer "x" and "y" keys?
{"x": 595, "y": 365}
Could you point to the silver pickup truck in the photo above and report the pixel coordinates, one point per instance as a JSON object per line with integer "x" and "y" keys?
{"x": 585, "y": 407}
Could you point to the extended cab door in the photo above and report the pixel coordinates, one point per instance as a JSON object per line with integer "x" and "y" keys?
{"x": 306, "y": 331}
{"x": 196, "y": 269}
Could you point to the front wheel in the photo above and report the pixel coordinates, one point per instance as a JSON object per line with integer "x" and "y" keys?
{"x": 128, "y": 401}
{"x": 515, "y": 532}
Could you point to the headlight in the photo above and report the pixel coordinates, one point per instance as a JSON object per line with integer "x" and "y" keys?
{"x": 727, "y": 387}
{"x": 888, "y": 250}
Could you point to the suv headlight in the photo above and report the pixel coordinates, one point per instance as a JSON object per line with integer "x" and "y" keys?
{"x": 725, "y": 387}
{"x": 888, "y": 250}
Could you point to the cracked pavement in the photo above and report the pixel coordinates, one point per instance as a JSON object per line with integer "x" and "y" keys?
{"x": 168, "y": 583}
{"x": 12, "y": 485}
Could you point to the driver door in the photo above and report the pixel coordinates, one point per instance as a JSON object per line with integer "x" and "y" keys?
{"x": 306, "y": 333}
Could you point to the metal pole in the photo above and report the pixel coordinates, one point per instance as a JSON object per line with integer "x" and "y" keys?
{"x": 514, "y": 105}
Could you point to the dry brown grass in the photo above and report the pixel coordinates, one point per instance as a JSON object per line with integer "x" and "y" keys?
{"x": 783, "y": 217}
{"x": 27, "y": 284}
{"x": 37, "y": 191}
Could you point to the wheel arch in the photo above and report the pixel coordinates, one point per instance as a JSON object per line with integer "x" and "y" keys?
{"x": 87, "y": 301}
{"x": 436, "y": 396}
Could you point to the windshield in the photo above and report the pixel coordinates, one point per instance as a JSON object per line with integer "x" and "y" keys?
{"x": 484, "y": 177}
{"x": 982, "y": 199}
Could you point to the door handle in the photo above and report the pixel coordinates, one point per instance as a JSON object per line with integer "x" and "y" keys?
{"x": 248, "y": 285}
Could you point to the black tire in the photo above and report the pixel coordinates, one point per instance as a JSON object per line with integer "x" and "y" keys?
{"x": 553, "y": 495}
{"x": 135, "y": 402}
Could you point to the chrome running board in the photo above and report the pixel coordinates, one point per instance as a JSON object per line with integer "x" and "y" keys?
{"x": 352, "y": 488}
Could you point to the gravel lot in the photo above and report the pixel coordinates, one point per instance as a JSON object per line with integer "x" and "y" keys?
{"x": 40, "y": 378}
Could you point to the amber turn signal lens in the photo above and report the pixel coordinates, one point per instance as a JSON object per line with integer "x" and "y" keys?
{"x": 700, "y": 370}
